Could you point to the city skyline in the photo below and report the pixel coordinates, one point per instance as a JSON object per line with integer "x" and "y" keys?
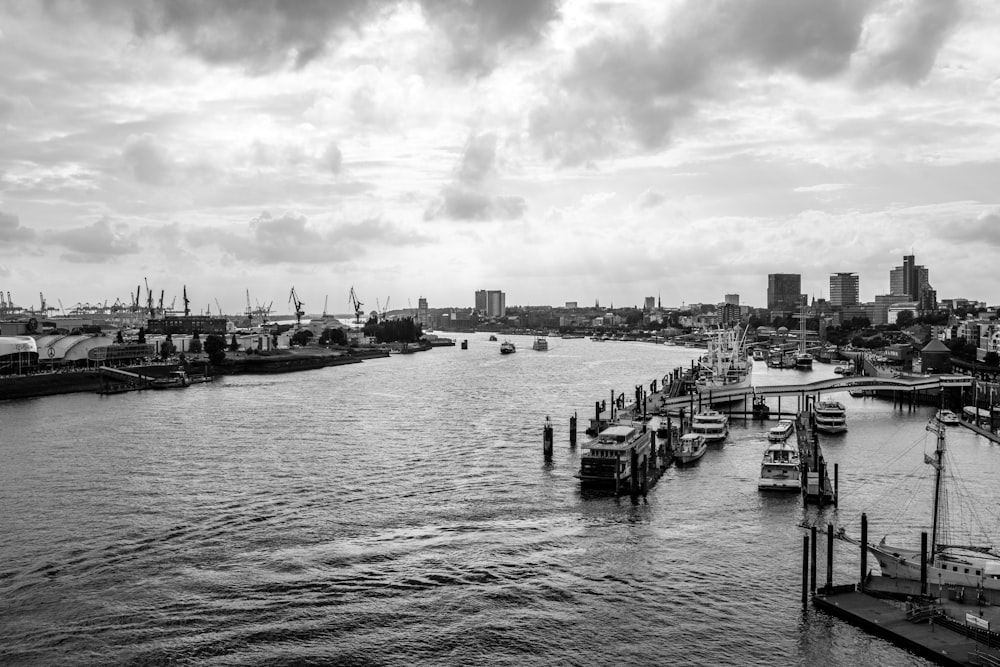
{"x": 557, "y": 151}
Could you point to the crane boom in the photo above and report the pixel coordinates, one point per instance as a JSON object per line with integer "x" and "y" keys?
{"x": 294, "y": 299}
{"x": 356, "y": 303}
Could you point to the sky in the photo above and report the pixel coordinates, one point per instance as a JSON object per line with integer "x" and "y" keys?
{"x": 555, "y": 150}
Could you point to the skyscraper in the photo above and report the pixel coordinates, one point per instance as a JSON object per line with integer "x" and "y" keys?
{"x": 909, "y": 279}
{"x": 844, "y": 289}
{"x": 491, "y": 303}
{"x": 784, "y": 291}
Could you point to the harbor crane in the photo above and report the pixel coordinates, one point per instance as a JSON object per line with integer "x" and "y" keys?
{"x": 187, "y": 311}
{"x": 249, "y": 310}
{"x": 356, "y": 304}
{"x": 294, "y": 299}
{"x": 382, "y": 308}
{"x": 219, "y": 306}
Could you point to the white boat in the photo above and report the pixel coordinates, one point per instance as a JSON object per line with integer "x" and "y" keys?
{"x": 710, "y": 424}
{"x": 830, "y": 416}
{"x": 803, "y": 361}
{"x": 540, "y": 344}
{"x": 507, "y": 347}
{"x": 607, "y": 459}
{"x": 782, "y": 431}
{"x": 724, "y": 366}
{"x": 971, "y": 566}
{"x": 691, "y": 447}
{"x": 947, "y": 417}
{"x": 780, "y": 470}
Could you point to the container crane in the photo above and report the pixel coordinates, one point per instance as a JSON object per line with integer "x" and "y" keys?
{"x": 293, "y": 298}
{"x": 356, "y": 303}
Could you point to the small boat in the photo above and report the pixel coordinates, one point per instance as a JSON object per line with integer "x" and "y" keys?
{"x": 710, "y": 424}
{"x": 947, "y": 417}
{"x": 830, "y": 416}
{"x": 782, "y": 431}
{"x": 607, "y": 459}
{"x": 175, "y": 380}
{"x": 493, "y": 338}
{"x": 507, "y": 347}
{"x": 803, "y": 361}
{"x": 780, "y": 469}
{"x": 465, "y": 344}
{"x": 758, "y": 354}
{"x": 540, "y": 344}
{"x": 691, "y": 447}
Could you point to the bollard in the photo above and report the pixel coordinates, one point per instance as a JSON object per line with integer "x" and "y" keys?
{"x": 547, "y": 439}
{"x": 572, "y": 430}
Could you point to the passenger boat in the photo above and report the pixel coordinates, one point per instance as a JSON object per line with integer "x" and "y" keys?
{"x": 948, "y": 564}
{"x": 175, "y": 380}
{"x": 710, "y": 424}
{"x": 691, "y": 447}
{"x": 782, "y": 431}
{"x": 947, "y": 417}
{"x": 540, "y": 344}
{"x": 780, "y": 470}
{"x": 724, "y": 366}
{"x": 759, "y": 355}
{"x": 803, "y": 361}
{"x": 507, "y": 347}
{"x": 607, "y": 459}
{"x": 830, "y": 416}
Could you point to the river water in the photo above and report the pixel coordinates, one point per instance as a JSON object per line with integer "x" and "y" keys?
{"x": 400, "y": 511}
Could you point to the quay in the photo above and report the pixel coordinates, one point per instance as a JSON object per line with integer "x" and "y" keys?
{"x": 816, "y": 486}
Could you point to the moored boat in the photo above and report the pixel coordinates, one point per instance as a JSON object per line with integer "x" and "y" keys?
{"x": 830, "y": 416}
{"x": 725, "y": 367}
{"x": 710, "y": 424}
{"x": 947, "y": 417}
{"x": 690, "y": 448}
{"x": 607, "y": 459}
{"x": 782, "y": 431}
{"x": 780, "y": 470}
{"x": 175, "y": 380}
{"x": 803, "y": 361}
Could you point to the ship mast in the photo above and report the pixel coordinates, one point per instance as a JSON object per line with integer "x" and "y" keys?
{"x": 938, "y": 463}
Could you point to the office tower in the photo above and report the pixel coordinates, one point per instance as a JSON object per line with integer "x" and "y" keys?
{"x": 784, "y": 291}
{"x": 844, "y": 289}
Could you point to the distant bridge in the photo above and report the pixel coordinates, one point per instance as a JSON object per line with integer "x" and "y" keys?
{"x": 907, "y": 384}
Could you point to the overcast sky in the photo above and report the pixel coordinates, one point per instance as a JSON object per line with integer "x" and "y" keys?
{"x": 558, "y": 151}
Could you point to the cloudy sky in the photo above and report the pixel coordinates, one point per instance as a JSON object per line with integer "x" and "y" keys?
{"x": 558, "y": 151}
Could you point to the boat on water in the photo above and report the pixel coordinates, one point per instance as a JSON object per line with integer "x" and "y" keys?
{"x": 759, "y": 354}
{"x": 948, "y": 563}
{"x": 947, "y": 417}
{"x": 507, "y": 347}
{"x": 711, "y": 425}
{"x": 782, "y": 431}
{"x": 690, "y": 448}
{"x": 607, "y": 459}
{"x": 174, "y": 380}
{"x": 780, "y": 470}
{"x": 830, "y": 416}
{"x": 540, "y": 344}
{"x": 803, "y": 361}
{"x": 724, "y": 366}
{"x": 493, "y": 338}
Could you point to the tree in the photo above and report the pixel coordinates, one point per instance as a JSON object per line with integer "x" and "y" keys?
{"x": 195, "y": 346}
{"x": 333, "y": 336}
{"x": 215, "y": 347}
{"x": 992, "y": 359}
{"x": 167, "y": 348}
{"x": 233, "y": 344}
{"x": 904, "y": 318}
{"x": 302, "y": 337}
{"x": 142, "y": 336}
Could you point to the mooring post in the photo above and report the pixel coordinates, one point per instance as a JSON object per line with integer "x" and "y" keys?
{"x": 618, "y": 474}
{"x": 829, "y": 557}
{"x": 864, "y": 550}
{"x": 572, "y": 430}
{"x": 805, "y": 571}
{"x": 836, "y": 483}
{"x": 633, "y": 477}
{"x": 812, "y": 564}
{"x": 547, "y": 439}
{"x": 923, "y": 563}
{"x": 652, "y": 448}
{"x": 597, "y": 417}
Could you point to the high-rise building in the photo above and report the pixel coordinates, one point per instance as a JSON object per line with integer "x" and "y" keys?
{"x": 481, "y": 301}
{"x": 732, "y": 298}
{"x": 650, "y": 303}
{"x": 423, "y": 313}
{"x": 909, "y": 279}
{"x": 784, "y": 291}
{"x": 491, "y": 303}
{"x": 844, "y": 289}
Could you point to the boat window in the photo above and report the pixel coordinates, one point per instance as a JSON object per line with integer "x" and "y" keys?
{"x": 966, "y": 570}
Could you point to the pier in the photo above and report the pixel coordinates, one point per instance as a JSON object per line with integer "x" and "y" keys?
{"x": 816, "y": 486}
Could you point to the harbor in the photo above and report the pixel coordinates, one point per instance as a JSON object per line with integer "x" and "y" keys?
{"x": 337, "y": 514}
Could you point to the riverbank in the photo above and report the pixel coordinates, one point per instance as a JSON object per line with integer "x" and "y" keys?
{"x": 72, "y": 381}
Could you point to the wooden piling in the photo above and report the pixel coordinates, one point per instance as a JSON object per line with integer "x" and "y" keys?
{"x": 547, "y": 439}
{"x": 836, "y": 484}
{"x": 923, "y": 563}
{"x": 812, "y": 565}
{"x": 633, "y": 478}
{"x": 864, "y": 550}
{"x": 572, "y": 430}
{"x": 805, "y": 571}
{"x": 829, "y": 556}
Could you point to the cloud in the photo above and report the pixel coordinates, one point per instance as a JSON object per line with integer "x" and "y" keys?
{"x": 478, "y": 31}
{"x": 477, "y": 161}
{"x": 11, "y": 230}
{"x": 906, "y": 51}
{"x": 822, "y": 187}
{"x": 651, "y": 199}
{"x": 333, "y": 159}
{"x": 469, "y": 196}
{"x": 96, "y": 243}
{"x": 146, "y": 160}
{"x": 262, "y": 35}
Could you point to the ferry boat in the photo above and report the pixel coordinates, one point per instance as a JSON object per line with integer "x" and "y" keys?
{"x": 540, "y": 344}
{"x": 947, "y": 417}
{"x": 830, "y": 416}
{"x": 692, "y": 446}
{"x": 607, "y": 459}
{"x": 780, "y": 470}
{"x": 724, "y": 366}
{"x": 803, "y": 361}
{"x": 507, "y": 347}
{"x": 710, "y": 424}
{"x": 782, "y": 431}
{"x": 175, "y": 380}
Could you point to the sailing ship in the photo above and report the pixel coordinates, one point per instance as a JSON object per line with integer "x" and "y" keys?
{"x": 973, "y": 566}
{"x": 724, "y": 366}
